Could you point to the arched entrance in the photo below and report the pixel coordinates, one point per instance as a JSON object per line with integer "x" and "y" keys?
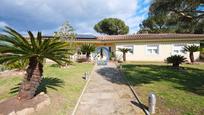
{"x": 102, "y": 55}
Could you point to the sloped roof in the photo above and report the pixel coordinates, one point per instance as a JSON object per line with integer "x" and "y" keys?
{"x": 137, "y": 37}
{"x": 151, "y": 37}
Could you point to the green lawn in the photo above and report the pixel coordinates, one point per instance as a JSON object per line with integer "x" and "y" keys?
{"x": 179, "y": 92}
{"x": 63, "y": 85}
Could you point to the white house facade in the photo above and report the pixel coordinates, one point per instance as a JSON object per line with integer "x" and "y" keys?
{"x": 155, "y": 51}
{"x": 145, "y": 47}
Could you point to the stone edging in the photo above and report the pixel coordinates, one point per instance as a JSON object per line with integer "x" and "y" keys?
{"x": 82, "y": 93}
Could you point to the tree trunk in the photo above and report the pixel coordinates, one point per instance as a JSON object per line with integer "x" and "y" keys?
{"x": 176, "y": 65}
{"x": 87, "y": 56}
{"x": 191, "y": 57}
{"x": 124, "y": 57}
{"x": 101, "y": 53}
{"x": 31, "y": 80}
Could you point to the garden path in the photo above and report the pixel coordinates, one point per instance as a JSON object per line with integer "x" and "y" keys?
{"x": 108, "y": 94}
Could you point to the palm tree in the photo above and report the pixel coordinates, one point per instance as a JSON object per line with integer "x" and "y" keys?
{"x": 124, "y": 51}
{"x": 176, "y": 60}
{"x": 15, "y": 47}
{"x": 87, "y": 49}
{"x": 191, "y": 49}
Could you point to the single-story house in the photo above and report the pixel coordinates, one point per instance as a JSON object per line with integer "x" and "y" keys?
{"x": 145, "y": 47}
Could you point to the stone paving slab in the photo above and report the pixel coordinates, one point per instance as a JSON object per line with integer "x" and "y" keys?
{"x": 107, "y": 94}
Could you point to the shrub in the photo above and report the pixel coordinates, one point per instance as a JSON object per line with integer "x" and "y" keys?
{"x": 202, "y": 50}
{"x": 112, "y": 56}
{"x": 2, "y": 68}
{"x": 176, "y": 60}
{"x": 81, "y": 60}
{"x": 87, "y": 49}
{"x": 20, "y": 64}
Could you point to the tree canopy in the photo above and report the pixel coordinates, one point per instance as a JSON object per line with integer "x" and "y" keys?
{"x": 189, "y": 9}
{"x": 155, "y": 24}
{"x": 66, "y": 32}
{"x": 178, "y": 16}
{"x": 111, "y": 26}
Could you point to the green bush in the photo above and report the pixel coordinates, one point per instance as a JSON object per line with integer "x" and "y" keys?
{"x": 20, "y": 64}
{"x": 202, "y": 50}
{"x": 112, "y": 56}
{"x": 202, "y": 53}
{"x": 87, "y": 49}
{"x": 2, "y": 68}
{"x": 176, "y": 60}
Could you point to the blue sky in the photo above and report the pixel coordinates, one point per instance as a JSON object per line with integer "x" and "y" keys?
{"x": 48, "y": 15}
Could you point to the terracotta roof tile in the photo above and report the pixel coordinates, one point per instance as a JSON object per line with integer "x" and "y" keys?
{"x": 142, "y": 37}
{"x": 149, "y": 37}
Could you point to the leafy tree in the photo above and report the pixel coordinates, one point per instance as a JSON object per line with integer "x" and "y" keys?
{"x": 199, "y": 27}
{"x": 87, "y": 49}
{"x": 191, "y": 49}
{"x": 183, "y": 16}
{"x": 124, "y": 51}
{"x": 156, "y": 24}
{"x": 186, "y": 9}
{"x": 15, "y": 47}
{"x": 176, "y": 60}
{"x": 66, "y": 33}
{"x": 111, "y": 26}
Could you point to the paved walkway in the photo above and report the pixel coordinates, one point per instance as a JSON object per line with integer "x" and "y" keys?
{"x": 107, "y": 94}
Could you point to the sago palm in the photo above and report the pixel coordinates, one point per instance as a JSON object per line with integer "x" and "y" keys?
{"x": 191, "y": 49}
{"x": 124, "y": 51}
{"x": 87, "y": 49}
{"x": 13, "y": 47}
{"x": 176, "y": 60}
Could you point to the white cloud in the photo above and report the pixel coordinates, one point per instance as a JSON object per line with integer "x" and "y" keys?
{"x": 3, "y": 24}
{"x": 134, "y": 23}
{"x": 82, "y": 14}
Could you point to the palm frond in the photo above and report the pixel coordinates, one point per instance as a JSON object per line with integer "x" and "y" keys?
{"x": 124, "y": 50}
{"x": 13, "y": 47}
{"x": 39, "y": 38}
{"x": 16, "y": 35}
{"x": 33, "y": 41}
{"x": 191, "y": 48}
{"x": 87, "y": 48}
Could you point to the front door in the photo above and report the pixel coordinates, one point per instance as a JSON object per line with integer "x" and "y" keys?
{"x": 102, "y": 55}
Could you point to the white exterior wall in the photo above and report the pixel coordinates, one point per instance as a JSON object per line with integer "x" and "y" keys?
{"x": 140, "y": 51}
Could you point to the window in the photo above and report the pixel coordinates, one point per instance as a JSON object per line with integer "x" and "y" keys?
{"x": 152, "y": 49}
{"x": 178, "y": 49}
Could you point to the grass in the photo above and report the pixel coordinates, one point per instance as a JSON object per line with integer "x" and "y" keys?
{"x": 63, "y": 85}
{"x": 179, "y": 92}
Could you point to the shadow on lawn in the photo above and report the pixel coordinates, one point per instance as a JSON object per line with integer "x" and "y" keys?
{"x": 47, "y": 82}
{"x": 189, "y": 79}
